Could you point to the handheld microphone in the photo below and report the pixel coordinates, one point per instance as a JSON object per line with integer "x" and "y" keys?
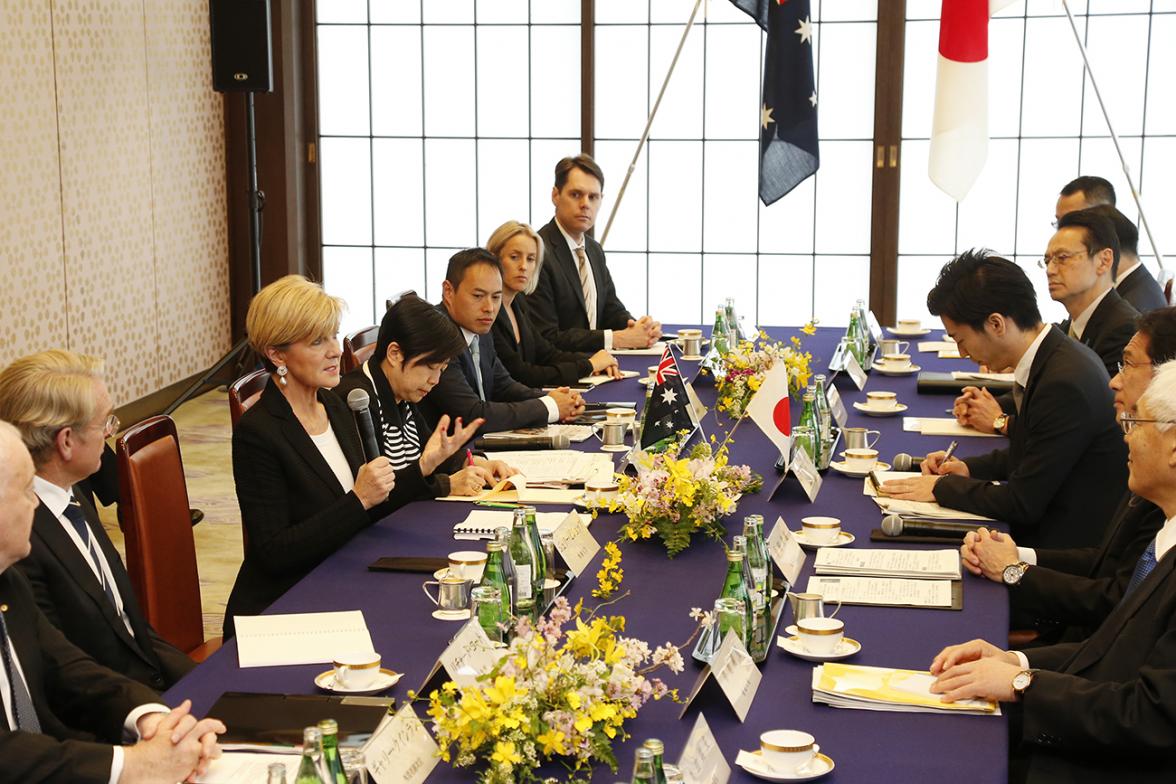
{"x": 556, "y": 441}
{"x": 904, "y": 462}
{"x": 357, "y": 401}
{"x": 896, "y": 525}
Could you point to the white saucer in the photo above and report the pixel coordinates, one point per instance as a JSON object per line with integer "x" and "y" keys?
{"x": 384, "y": 681}
{"x": 904, "y": 372}
{"x": 843, "y": 538}
{"x": 820, "y": 766}
{"x": 691, "y": 358}
{"x": 908, "y": 333}
{"x": 647, "y": 381}
{"x": 841, "y": 468}
{"x": 451, "y": 615}
{"x": 846, "y": 647}
{"x": 880, "y": 412}
{"x": 617, "y": 448}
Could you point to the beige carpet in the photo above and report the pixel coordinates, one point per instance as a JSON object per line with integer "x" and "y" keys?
{"x": 205, "y": 436}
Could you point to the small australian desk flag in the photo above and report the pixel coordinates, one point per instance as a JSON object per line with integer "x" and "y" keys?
{"x": 668, "y": 411}
{"x": 788, "y": 116}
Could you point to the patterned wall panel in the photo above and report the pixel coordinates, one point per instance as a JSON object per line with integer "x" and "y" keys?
{"x": 31, "y": 265}
{"x": 191, "y": 224}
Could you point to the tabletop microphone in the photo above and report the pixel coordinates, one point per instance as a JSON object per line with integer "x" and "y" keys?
{"x": 357, "y": 401}
{"x": 554, "y": 441}
{"x": 896, "y": 525}
{"x": 904, "y": 462}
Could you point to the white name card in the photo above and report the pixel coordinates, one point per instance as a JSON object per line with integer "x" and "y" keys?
{"x": 702, "y": 760}
{"x": 402, "y": 751}
{"x": 736, "y": 673}
{"x": 854, "y": 369}
{"x": 836, "y": 405}
{"x": 786, "y": 552}
{"x": 575, "y": 543}
{"x": 806, "y": 473}
{"x": 874, "y": 326}
{"x": 469, "y": 655}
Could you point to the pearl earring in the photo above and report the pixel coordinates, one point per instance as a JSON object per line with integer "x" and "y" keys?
{"x": 282, "y": 375}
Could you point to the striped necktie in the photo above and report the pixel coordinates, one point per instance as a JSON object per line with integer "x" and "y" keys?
{"x": 77, "y": 518}
{"x": 476, "y": 353}
{"x": 23, "y": 711}
{"x": 586, "y": 286}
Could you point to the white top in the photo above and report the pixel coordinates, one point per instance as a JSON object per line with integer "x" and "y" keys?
{"x": 547, "y": 400}
{"x": 1025, "y": 363}
{"x": 573, "y": 246}
{"x": 328, "y": 445}
{"x": 1079, "y": 324}
{"x": 56, "y": 499}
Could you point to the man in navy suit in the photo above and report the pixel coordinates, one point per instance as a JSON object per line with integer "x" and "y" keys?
{"x": 476, "y": 385}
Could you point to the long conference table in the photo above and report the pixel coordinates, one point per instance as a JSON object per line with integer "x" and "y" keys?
{"x": 864, "y": 745}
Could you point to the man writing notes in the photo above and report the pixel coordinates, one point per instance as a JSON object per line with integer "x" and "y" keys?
{"x": 476, "y": 385}
{"x": 1101, "y": 709}
{"x": 575, "y": 304}
{"x": 62, "y": 715}
{"x": 1059, "y": 479}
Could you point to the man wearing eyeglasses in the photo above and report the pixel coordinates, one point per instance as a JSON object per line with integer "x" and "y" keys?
{"x": 59, "y": 403}
{"x": 1100, "y": 709}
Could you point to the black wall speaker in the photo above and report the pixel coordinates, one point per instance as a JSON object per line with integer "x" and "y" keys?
{"x": 242, "y": 57}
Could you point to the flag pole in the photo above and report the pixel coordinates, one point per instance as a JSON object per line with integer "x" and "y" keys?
{"x": 1114, "y": 136}
{"x": 649, "y": 123}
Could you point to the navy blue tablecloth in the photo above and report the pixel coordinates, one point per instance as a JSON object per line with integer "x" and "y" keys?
{"x": 865, "y": 745}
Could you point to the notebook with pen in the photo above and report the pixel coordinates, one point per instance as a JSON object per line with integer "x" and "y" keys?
{"x": 481, "y": 523}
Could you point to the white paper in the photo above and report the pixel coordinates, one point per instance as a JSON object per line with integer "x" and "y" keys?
{"x": 515, "y": 489}
{"x": 926, "y": 509}
{"x": 575, "y": 433}
{"x": 886, "y": 476}
{"x": 883, "y": 562}
{"x": 804, "y": 470}
{"x": 836, "y": 405}
{"x": 884, "y": 591}
{"x": 300, "y": 638}
{"x": 604, "y": 378}
{"x": 912, "y": 424}
{"x": 243, "y": 767}
{"x": 854, "y": 369}
{"x": 936, "y": 346}
{"x": 874, "y": 327}
{"x": 469, "y": 655}
{"x": 736, "y": 674}
{"x": 656, "y": 350}
{"x": 948, "y": 426}
{"x": 575, "y": 543}
{"x": 950, "y": 353}
{"x": 402, "y": 751}
{"x": 557, "y": 465}
{"x": 702, "y": 760}
{"x": 786, "y": 552}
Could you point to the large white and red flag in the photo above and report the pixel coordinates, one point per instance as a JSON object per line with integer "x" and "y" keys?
{"x": 959, "y": 129}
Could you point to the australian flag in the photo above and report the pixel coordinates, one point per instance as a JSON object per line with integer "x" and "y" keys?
{"x": 788, "y": 116}
{"x": 668, "y": 411}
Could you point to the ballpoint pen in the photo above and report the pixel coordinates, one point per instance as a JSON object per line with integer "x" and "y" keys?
{"x": 951, "y": 448}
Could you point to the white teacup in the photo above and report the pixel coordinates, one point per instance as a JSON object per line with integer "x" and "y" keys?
{"x": 861, "y": 459}
{"x": 357, "y": 670}
{"x": 601, "y": 490}
{"x": 467, "y": 564}
{"x": 881, "y": 401}
{"x": 820, "y": 635}
{"x": 652, "y": 370}
{"x": 626, "y": 416}
{"x": 821, "y": 530}
{"x": 896, "y": 361}
{"x": 689, "y": 334}
{"x": 788, "y": 751}
{"x": 910, "y": 325}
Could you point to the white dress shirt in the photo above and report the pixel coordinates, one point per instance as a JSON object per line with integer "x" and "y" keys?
{"x": 1078, "y": 325}
{"x": 548, "y": 401}
{"x": 1025, "y": 363}
{"x": 573, "y": 246}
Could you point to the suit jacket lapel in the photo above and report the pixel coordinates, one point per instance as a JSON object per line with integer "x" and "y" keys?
{"x": 299, "y": 440}
{"x": 520, "y": 314}
{"x": 1048, "y": 346}
{"x": 48, "y": 529}
{"x": 486, "y": 360}
{"x": 1098, "y": 316}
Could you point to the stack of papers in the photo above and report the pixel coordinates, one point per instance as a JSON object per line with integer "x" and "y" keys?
{"x": 656, "y": 350}
{"x": 884, "y": 689}
{"x": 886, "y": 591}
{"x": 481, "y": 523}
{"x": 575, "y": 433}
{"x": 942, "y": 426}
{"x": 911, "y": 564}
{"x": 299, "y": 638}
{"x": 926, "y": 509}
{"x": 558, "y": 466}
{"x": 515, "y": 490}
{"x": 937, "y": 346}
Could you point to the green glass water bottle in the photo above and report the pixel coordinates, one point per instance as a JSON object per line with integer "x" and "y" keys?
{"x": 331, "y": 759}
{"x": 658, "y": 750}
{"x": 719, "y": 333}
{"x": 524, "y": 566}
{"x": 494, "y": 575}
{"x": 539, "y": 578}
{"x": 643, "y": 767}
{"x": 735, "y": 586}
{"x": 310, "y": 769}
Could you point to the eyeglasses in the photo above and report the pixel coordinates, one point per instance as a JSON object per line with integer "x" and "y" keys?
{"x": 1129, "y": 423}
{"x": 1061, "y": 258}
{"x": 111, "y": 426}
{"x": 1127, "y": 364}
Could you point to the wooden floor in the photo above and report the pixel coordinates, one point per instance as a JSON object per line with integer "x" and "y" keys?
{"x": 205, "y": 435}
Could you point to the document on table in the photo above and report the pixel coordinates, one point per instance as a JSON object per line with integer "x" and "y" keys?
{"x": 926, "y": 509}
{"x": 884, "y": 689}
{"x": 886, "y": 476}
{"x": 575, "y": 433}
{"x": 480, "y": 523}
{"x": 936, "y": 346}
{"x": 656, "y": 350}
{"x": 299, "y": 638}
{"x": 242, "y": 767}
{"x": 882, "y": 562}
{"x": 882, "y": 591}
{"x": 948, "y": 426}
{"x": 961, "y": 375}
{"x": 514, "y": 490}
{"x": 557, "y": 466}
{"x": 604, "y": 378}
{"x": 949, "y": 353}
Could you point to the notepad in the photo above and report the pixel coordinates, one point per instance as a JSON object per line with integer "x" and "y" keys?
{"x": 926, "y": 509}
{"x": 560, "y": 466}
{"x": 514, "y": 490}
{"x": 299, "y": 638}
{"x": 947, "y": 426}
{"x": 860, "y": 687}
{"x": 481, "y": 523}
{"x": 882, "y": 562}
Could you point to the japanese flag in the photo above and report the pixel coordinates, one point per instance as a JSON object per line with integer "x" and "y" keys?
{"x": 770, "y": 410}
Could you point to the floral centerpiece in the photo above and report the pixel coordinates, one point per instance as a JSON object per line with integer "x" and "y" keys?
{"x": 745, "y": 365}
{"x": 676, "y": 495}
{"x": 554, "y": 695}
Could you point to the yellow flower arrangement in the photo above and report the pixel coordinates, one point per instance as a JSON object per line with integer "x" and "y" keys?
{"x": 608, "y": 579}
{"x": 746, "y": 364}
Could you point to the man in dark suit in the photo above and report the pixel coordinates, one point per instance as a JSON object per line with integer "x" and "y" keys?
{"x": 575, "y": 303}
{"x": 476, "y": 385}
{"x": 1060, "y": 478}
{"x": 1101, "y": 709}
{"x": 60, "y": 404}
{"x": 1066, "y": 593}
{"x": 63, "y": 717}
{"x": 1080, "y": 264}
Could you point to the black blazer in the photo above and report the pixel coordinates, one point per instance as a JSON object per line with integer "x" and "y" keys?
{"x": 66, "y": 685}
{"x": 73, "y": 601}
{"x": 533, "y": 359}
{"x": 557, "y": 306}
{"x": 1065, "y": 467}
{"x": 508, "y": 404}
{"x": 410, "y": 485}
{"x": 293, "y": 508}
{"x": 1101, "y": 710}
{"x": 1078, "y": 588}
{"x": 1141, "y": 289}
{"x": 1111, "y": 325}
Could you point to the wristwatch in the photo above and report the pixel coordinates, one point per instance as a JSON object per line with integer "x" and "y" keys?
{"x": 1022, "y": 680}
{"x": 998, "y": 424}
{"x": 1013, "y": 573}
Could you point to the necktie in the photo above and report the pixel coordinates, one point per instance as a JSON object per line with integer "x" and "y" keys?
{"x": 22, "y": 702}
{"x": 476, "y": 353}
{"x": 1071, "y": 332}
{"x": 73, "y": 513}
{"x": 1143, "y": 567}
{"x": 586, "y": 286}
{"x": 1018, "y": 395}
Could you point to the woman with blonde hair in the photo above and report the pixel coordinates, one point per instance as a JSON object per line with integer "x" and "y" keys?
{"x": 530, "y": 357}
